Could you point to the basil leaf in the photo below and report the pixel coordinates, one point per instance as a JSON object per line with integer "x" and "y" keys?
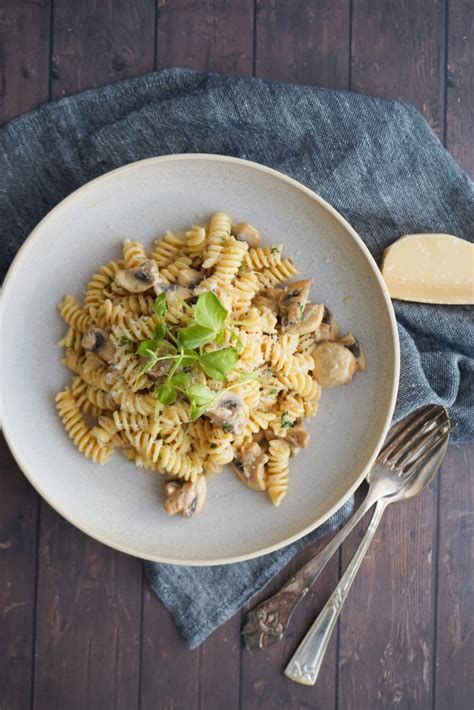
{"x": 166, "y": 393}
{"x": 159, "y": 332}
{"x": 209, "y": 312}
{"x": 194, "y": 336}
{"x": 161, "y": 305}
{"x": 179, "y": 380}
{"x": 200, "y": 395}
{"x": 219, "y": 363}
{"x": 146, "y": 347}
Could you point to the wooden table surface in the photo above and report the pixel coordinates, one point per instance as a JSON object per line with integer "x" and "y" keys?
{"x": 78, "y": 626}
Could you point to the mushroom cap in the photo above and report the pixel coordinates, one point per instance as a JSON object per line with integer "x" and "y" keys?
{"x": 311, "y": 321}
{"x": 245, "y": 232}
{"x": 228, "y": 412}
{"x": 140, "y": 279}
{"x": 96, "y": 341}
{"x": 187, "y": 498}
{"x": 250, "y": 468}
{"x": 334, "y": 364}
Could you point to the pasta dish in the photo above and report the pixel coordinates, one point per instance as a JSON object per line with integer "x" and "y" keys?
{"x": 204, "y": 352}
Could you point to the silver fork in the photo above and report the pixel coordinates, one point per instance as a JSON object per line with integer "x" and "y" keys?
{"x": 417, "y": 460}
{"x": 266, "y": 624}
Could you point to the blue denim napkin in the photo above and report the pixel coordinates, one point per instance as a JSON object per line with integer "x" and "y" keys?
{"x": 376, "y": 161}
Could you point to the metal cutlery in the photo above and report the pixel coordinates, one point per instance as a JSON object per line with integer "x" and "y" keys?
{"x": 407, "y": 445}
{"x": 417, "y": 460}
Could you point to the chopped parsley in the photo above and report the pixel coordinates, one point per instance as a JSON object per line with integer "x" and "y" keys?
{"x": 227, "y": 427}
{"x": 124, "y": 340}
{"x": 286, "y": 421}
{"x": 301, "y": 309}
{"x": 213, "y": 446}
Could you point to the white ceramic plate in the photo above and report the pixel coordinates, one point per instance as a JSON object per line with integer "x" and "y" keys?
{"x": 119, "y": 504}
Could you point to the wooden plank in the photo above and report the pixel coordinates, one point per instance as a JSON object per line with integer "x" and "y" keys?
{"x": 88, "y": 621}
{"x": 18, "y": 515}
{"x": 219, "y": 672}
{"x": 460, "y": 83}
{"x": 169, "y": 670}
{"x": 455, "y": 610}
{"x": 263, "y": 683}
{"x": 89, "y": 596}
{"x": 386, "y": 629}
{"x": 24, "y": 70}
{"x": 97, "y": 43}
{"x": 304, "y": 42}
{"x": 398, "y": 52}
{"x": 24, "y": 56}
{"x": 206, "y": 35}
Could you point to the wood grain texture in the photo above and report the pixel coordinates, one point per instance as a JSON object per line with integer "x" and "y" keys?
{"x": 263, "y": 683}
{"x": 460, "y": 83}
{"x": 303, "y": 42}
{"x": 206, "y": 35}
{"x": 386, "y": 633}
{"x": 88, "y": 622}
{"x": 221, "y": 651}
{"x": 170, "y": 671}
{"x": 24, "y": 84}
{"x": 18, "y": 514}
{"x": 24, "y": 56}
{"x": 455, "y": 608}
{"x": 89, "y": 606}
{"x": 398, "y": 53}
{"x": 98, "y": 42}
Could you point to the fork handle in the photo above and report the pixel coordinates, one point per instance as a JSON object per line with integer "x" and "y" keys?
{"x": 306, "y": 662}
{"x": 266, "y": 624}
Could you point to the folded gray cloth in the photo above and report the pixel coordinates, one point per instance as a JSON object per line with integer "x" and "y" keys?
{"x": 376, "y": 161}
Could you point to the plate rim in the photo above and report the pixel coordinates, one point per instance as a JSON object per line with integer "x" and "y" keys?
{"x": 395, "y": 350}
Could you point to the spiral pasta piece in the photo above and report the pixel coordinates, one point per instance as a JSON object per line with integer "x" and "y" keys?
{"x": 133, "y": 254}
{"x": 277, "y": 468}
{"x": 167, "y": 249}
{"x": 219, "y": 232}
{"x": 95, "y": 292}
{"x": 76, "y": 427}
{"x": 195, "y": 241}
{"x": 74, "y": 315}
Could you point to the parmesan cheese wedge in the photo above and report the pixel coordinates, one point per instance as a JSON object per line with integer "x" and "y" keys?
{"x": 430, "y": 268}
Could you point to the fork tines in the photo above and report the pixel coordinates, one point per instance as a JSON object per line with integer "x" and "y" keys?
{"x": 416, "y": 437}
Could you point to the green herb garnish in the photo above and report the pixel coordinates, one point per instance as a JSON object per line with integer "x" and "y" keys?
{"x": 184, "y": 348}
{"x": 226, "y": 427}
{"x": 286, "y": 421}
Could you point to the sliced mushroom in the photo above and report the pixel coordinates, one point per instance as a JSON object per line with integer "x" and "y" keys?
{"x": 328, "y": 329}
{"x": 250, "y": 466}
{"x": 269, "y": 298}
{"x": 351, "y": 342}
{"x": 298, "y": 438}
{"x": 334, "y": 364}
{"x": 185, "y": 498}
{"x": 189, "y": 278}
{"x": 96, "y": 341}
{"x": 244, "y": 232}
{"x": 228, "y": 413}
{"x": 311, "y": 321}
{"x": 142, "y": 278}
{"x": 293, "y": 302}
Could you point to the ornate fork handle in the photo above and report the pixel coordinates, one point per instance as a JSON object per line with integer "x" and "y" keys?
{"x": 266, "y": 624}
{"x": 306, "y": 662}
